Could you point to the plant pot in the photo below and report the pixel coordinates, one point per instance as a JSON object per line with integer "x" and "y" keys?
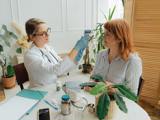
{"x": 2, "y": 94}
{"x": 9, "y": 82}
{"x": 87, "y": 68}
{"x": 114, "y": 112}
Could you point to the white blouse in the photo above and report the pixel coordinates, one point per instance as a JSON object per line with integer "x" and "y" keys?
{"x": 120, "y": 71}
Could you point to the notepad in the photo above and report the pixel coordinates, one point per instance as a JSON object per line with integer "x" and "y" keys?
{"x": 32, "y": 94}
{"x": 16, "y": 107}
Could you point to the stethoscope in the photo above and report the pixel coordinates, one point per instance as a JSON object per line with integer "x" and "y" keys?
{"x": 48, "y": 57}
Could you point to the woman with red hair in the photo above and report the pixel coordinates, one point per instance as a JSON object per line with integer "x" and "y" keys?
{"x": 119, "y": 63}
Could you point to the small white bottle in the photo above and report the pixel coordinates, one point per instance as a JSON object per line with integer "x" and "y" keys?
{"x": 58, "y": 86}
{"x": 65, "y": 105}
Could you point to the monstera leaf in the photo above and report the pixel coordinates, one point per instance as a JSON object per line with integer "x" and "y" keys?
{"x": 7, "y": 35}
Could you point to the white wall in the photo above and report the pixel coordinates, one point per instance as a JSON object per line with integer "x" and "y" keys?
{"x": 67, "y": 18}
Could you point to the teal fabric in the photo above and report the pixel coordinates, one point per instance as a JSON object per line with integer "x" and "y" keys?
{"x": 32, "y": 94}
{"x": 79, "y": 55}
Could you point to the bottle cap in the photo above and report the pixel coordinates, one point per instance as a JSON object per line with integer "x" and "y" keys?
{"x": 65, "y": 97}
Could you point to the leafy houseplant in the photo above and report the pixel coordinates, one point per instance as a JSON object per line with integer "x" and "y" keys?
{"x": 87, "y": 67}
{"x": 8, "y": 74}
{"x": 95, "y": 43}
{"x": 107, "y": 93}
{"x": 22, "y": 41}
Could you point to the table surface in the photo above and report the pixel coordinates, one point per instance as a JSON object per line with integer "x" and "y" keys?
{"x": 135, "y": 112}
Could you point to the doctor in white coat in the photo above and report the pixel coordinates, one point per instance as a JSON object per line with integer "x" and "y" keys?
{"x": 41, "y": 61}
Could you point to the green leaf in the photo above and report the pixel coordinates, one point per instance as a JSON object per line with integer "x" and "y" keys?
{"x": 89, "y": 84}
{"x": 126, "y": 92}
{"x": 1, "y": 48}
{"x": 120, "y": 102}
{"x": 111, "y": 13}
{"x": 97, "y": 78}
{"x": 104, "y": 15}
{"x": 103, "y": 106}
{"x": 10, "y": 71}
{"x": 99, "y": 88}
{"x": 19, "y": 50}
{"x": 123, "y": 2}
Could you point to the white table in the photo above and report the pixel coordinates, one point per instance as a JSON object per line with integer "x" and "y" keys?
{"x": 135, "y": 112}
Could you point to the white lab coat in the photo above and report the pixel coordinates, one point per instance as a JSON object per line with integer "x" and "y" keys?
{"x": 44, "y": 65}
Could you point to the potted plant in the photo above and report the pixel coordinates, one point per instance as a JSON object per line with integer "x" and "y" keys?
{"x": 107, "y": 95}
{"x": 8, "y": 74}
{"x": 22, "y": 41}
{"x": 86, "y": 66}
{"x": 95, "y": 44}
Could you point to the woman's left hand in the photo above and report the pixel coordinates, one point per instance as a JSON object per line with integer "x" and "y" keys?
{"x": 108, "y": 83}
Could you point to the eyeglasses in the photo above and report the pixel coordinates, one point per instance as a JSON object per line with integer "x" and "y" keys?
{"x": 44, "y": 34}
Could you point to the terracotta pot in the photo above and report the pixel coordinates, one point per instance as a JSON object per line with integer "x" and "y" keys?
{"x": 9, "y": 82}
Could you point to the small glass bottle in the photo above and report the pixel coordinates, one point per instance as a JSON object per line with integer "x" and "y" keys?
{"x": 58, "y": 86}
{"x": 65, "y": 105}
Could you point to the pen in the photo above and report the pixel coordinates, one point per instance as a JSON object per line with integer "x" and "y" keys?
{"x": 53, "y": 106}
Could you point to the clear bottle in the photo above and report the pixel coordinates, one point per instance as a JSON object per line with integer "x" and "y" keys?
{"x": 58, "y": 86}
{"x": 65, "y": 105}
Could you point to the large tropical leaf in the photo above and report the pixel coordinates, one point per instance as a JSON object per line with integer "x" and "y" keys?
{"x": 103, "y": 106}
{"x": 99, "y": 88}
{"x": 126, "y": 92}
{"x": 88, "y": 84}
{"x": 97, "y": 78}
{"x": 120, "y": 102}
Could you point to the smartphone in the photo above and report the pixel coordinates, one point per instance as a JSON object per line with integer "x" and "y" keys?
{"x": 44, "y": 114}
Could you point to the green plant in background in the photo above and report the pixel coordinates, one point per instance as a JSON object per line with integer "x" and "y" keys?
{"x": 22, "y": 40}
{"x": 98, "y": 36}
{"x": 104, "y": 90}
{"x": 6, "y": 37}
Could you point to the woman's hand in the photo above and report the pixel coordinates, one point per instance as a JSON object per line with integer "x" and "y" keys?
{"x": 108, "y": 83}
{"x": 87, "y": 88}
{"x": 111, "y": 90}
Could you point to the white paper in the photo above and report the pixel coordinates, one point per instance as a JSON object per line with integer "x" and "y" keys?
{"x": 16, "y": 107}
